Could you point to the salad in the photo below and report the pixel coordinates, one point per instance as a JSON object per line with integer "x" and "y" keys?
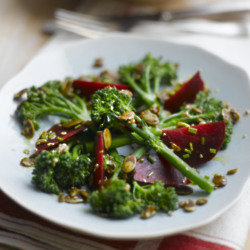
{"x": 169, "y": 128}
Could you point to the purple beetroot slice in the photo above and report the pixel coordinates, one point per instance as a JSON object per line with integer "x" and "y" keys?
{"x": 99, "y": 158}
{"x": 147, "y": 172}
{"x": 61, "y": 135}
{"x": 186, "y": 94}
{"x": 198, "y": 144}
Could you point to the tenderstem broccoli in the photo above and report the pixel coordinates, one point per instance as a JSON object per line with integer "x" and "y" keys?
{"x": 145, "y": 77}
{"x": 48, "y": 100}
{"x": 108, "y": 105}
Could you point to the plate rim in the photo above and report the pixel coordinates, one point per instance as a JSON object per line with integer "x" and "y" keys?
{"x": 152, "y": 235}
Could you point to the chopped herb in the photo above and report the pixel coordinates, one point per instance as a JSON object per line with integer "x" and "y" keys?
{"x": 151, "y": 159}
{"x": 186, "y": 156}
{"x": 52, "y": 136}
{"x": 151, "y": 173}
{"x": 187, "y": 151}
{"x": 77, "y": 126}
{"x": 207, "y": 177}
{"x": 192, "y": 130}
{"x": 212, "y": 151}
{"x": 191, "y": 146}
{"x": 142, "y": 160}
{"x": 64, "y": 120}
{"x": 202, "y": 140}
{"x": 101, "y": 151}
{"x": 59, "y": 138}
{"x": 43, "y": 136}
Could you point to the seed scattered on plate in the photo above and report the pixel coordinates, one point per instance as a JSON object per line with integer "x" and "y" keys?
{"x": 98, "y": 62}
{"x": 232, "y": 171}
{"x": 189, "y": 205}
{"x": 183, "y": 190}
{"x": 148, "y": 212}
{"x": 244, "y": 136}
{"x": 201, "y": 201}
{"x": 219, "y": 180}
{"x": 26, "y": 162}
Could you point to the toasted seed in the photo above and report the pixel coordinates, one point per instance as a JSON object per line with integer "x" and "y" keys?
{"x": 129, "y": 163}
{"x": 232, "y": 171}
{"x": 98, "y": 62}
{"x": 19, "y": 94}
{"x": 156, "y": 109}
{"x": 170, "y": 213}
{"x": 26, "y": 162}
{"x": 28, "y": 129}
{"x": 73, "y": 200}
{"x": 181, "y": 203}
{"x": 148, "y": 212}
{"x": 26, "y": 151}
{"x": 71, "y": 123}
{"x": 219, "y": 180}
{"x": 201, "y": 121}
{"x": 189, "y": 205}
{"x": 185, "y": 114}
{"x": 61, "y": 198}
{"x": 62, "y": 147}
{"x": 128, "y": 116}
{"x": 175, "y": 147}
{"x": 182, "y": 125}
{"x": 201, "y": 201}
{"x": 84, "y": 194}
{"x": 183, "y": 190}
{"x": 107, "y": 138}
{"x": 67, "y": 86}
{"x": 197, "y": 110}
{"x": 126, "y": 92}
{"x": 226, "y": 115}
{"x": 149, "y": 117}
{"x": 127, "y": 187}
{"x": 235, "y": 115}
{"x": 41, "y": 141}
{"x": 247, "y": 112}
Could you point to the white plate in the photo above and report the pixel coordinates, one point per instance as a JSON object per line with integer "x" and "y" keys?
{"x": 76, "y": 59}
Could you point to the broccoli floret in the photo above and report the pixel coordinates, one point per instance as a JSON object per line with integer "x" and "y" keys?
{"x": 43, "y": 173}
{"x": 115, "y": 201}
{"x": 72, "y": 172}
{"x": 56, "y": 172}
{"x": 162, "y": 198}
{"x": 48, "y": 100}
{"x": 108, "y": 104}
{"x": 146, "y": 76}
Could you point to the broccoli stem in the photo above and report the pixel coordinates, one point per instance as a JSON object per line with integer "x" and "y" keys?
{"x": 140, "y": 151}
{"x": 156, "y": 144}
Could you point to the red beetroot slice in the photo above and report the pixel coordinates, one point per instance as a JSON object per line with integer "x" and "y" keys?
{"x": 206, "y": 142}
{"x": 63, "y": 134}
{"x": 161, "y": 169}
{"x": 88, "y": 88}
{"x": 186, "y": 94}
{"x": 99, "y": 154}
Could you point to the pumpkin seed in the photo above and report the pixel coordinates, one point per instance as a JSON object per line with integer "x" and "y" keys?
{"x": 126, "y": 92}
{"x": 183, "y": 190}
{"x": 129, "y": 163}
{"x": 148, "y": 212}
{"x": 107, "y": 138}
{"x": 28, "y": 129}
{"x": 232, "y": 171}
{"x": 98, "y": 62}
{"x": 67, "y": 86}
{"x": 71, "y": 123}
{"x": 201, "y": 201}
{"x": 219, "y": 180}
{"x": 149, "y": 117}
{"x": 128, "y": 116}
{"x": 175, "y": 147}
{"x": 26, "y": 162}
{"x": 19, "y": 94}
{"x": 189, "y": 205}
{"x": 182, "y": 125}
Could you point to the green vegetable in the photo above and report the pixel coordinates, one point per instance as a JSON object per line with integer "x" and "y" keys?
{"x": 48, "y": 100}
{"x": 145, "y": 78}
{"x": 162, "y": 198}
{"x": 56, "y": 172}
{"x": 108, "y": 104}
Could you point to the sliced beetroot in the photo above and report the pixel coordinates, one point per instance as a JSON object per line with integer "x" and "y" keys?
{"x": 61, "y": 134}
{"x": 205, "y": 139}
{"x": 186, "y": 94}
{"x": 160, "y": 169}
{"x": 88, "y": 88}
{"x": 99, "y": 158}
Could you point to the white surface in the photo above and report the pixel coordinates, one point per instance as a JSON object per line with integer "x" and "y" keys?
{"x": 76, "y": 59}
